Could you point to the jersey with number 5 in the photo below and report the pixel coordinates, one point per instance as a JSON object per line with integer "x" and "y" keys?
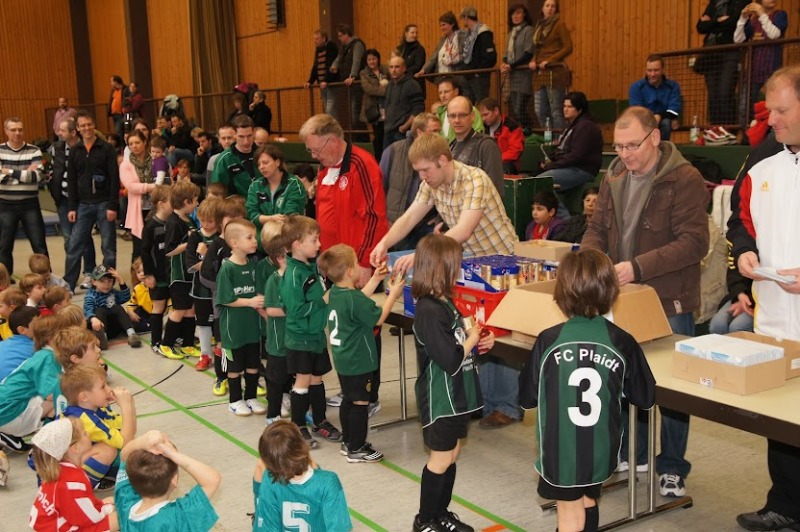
{"x": 577, "y": 375}
{"x": 351, "y": 317}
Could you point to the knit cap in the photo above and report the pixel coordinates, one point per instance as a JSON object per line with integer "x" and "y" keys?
{"x": 54, "y": 438}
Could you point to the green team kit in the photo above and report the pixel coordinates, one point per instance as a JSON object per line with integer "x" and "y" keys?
{"x": 577, "y": 374}
{"x": 238, "y": 326}
{"x": 351, "y": 318}
{"x": 177, "y": 233}
{"x": 301, "y": 291}
{"x": 276, "y": 326}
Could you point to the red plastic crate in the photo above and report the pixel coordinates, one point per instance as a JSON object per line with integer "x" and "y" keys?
{"x": 479, "y": 303}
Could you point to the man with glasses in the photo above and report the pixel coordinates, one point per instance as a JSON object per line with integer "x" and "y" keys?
{"x": 651, "y": 220}
{"x": 234, "y": 167}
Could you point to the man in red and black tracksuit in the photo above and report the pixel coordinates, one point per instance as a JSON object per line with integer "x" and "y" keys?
{"x": 764, "y": 230}
{"x": 506, "y": 131}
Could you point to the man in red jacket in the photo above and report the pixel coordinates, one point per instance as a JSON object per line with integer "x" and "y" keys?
{"x": 506, "y": 131}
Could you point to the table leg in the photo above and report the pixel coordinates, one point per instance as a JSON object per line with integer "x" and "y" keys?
{"x": 401, "y": 350}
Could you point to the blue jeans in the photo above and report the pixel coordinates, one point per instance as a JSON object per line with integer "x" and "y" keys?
{"x": 724, "y": 323}
{"x": 518, "y": 105}
{"x": 674, "y": 425}
{"x": 328, "y": 101}
{"x": 500, "y": 387}
{"x": 66, "y": 231}
{"x": 567, "y": 179}
{"x": 12, "y": 213}
{"x": 665, "y": 127}
{"x": 549, "y": 103}
{"x": 88, "y": 215}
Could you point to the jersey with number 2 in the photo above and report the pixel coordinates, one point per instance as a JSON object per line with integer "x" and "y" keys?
{"x": 577, "y": 375}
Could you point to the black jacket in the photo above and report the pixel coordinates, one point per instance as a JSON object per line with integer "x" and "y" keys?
{"x": 262, "y": 116}
{"x": 59, "y": 177}
{"x": 331, "y": 51}
{"x": 182, "y": 138}
{"x": 93, "y": 177}
{"x": 484, "y": 53}
{"x": 404, "y": 98}
{"x": 580, "y": 146}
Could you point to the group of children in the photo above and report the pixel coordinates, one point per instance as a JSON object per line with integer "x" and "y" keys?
{"x": 547, "y": 225}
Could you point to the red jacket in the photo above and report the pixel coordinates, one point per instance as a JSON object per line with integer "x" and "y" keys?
{"x": 510, "y": 139}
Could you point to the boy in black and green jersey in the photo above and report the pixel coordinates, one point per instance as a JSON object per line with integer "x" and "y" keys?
{"x": 196, "y": 248}
{"x": 155, "y": 262}
{"x": 447, "y": 389}
{"x": 239, "y": 317}
{"x": 352, "y": 315}
{"x": 180, "y": 322}
{"x": 577, "y": 374}
{"x": 303, "y": 295}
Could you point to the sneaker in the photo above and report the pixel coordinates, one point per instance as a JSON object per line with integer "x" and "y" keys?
{"x": 343, "y": 450}
{"x": 220, "y": 388}
{"x": 240, "y": 408}
{"x": 4, "y": 467}
{"x": 87, "y": 281}
{"x": 312, "y": 443}
{"x": 623, "y": 467}
{"x": 271, "y": 420}
{"x": 134, "y": 341}
{"x": 286, "y": 405}
{"x": 373, "y": 408}
{"x": 203, "y": 363}
{"x": 766, "y": 520}
{"x": 106, "y": 484}
{"x": 328, "y": 431}
{"x": 261, "y": 391}
{"x": 429, "y": 526}
{"x": 102, "y": 338}
{"x": 364, "y": 455}
{"x": 309, "y": 419}
{"x": 451, "y": 522}
{"x": 256, "y": 407}
{"x": 189, "y": 351}
{"x": 166, "y": 351}
{"x": 14, "y": 443}
{"x": 335, "y": 401}
{"x": 672, "y": 486}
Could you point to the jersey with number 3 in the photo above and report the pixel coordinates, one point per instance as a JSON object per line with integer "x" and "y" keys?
{"x": 577, "y": 375}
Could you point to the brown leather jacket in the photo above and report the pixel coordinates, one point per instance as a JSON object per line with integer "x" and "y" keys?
{"x": 672, "y": 234}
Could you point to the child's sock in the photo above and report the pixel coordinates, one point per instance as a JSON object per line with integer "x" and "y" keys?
{"x": 300, "y": 402}
{"x": 235, "y": 388}
{"x": 221, "y": 376}
{"x": 430, "y": 489}
{"x": 188, "y": 325}
{"x": 204, "y": 332}
{"x": 344, "y": 419}
{"x": 171, "y": 332}
{"x": 95, "y": 470}
{"x": 447, "y": 492}
{"x": 156, "y": 327}
{"x": 358, "y": 426}
{"x": 592, "y": 519}
{"x": 274, "y": 399}
{"x": 250, "y": 384}
{"x": 130, "y": 331}
{"x": 316, "y": 395}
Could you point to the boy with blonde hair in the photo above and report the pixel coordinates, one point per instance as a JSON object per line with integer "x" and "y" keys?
{"x": 34, "y": 286}
{"x": 40, "y": 263}
{"x": 10, "y": 299}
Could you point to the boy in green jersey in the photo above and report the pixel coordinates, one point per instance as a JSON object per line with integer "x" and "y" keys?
{"x": 351, "y": 318}
{"x": 303, "y": 295}
{"x": 239, "y": 320}
{"x": 576, "y": 375}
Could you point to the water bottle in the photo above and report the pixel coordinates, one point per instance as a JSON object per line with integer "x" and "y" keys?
{"x": 548, "y": 133}
{"x": 694, "y": 133}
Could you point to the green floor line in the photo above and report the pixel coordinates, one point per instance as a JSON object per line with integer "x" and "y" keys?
{"x": 358, "y": 516}
{"x": 171, "y": 410}
{"x": 477, "y": 509}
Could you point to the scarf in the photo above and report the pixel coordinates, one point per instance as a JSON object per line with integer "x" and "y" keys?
{"x": 469, "y": 42}
{"x": 510, "y": 55}
{"x": 143, "y": 168}
{"x": 543, "y": 29}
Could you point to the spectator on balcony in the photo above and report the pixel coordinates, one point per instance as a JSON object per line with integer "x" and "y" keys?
{"x": 659, "y": 94}
{"x": 519, "y": 52}
{"x": 412, "y": 52}
{"x": 116, "y": 101}
{"x": 63, "y": 112}
{"x": 404, "y": 100}
{"x": 260, "y": 111}
{"x": 349, "y": 64}
{"x": 506, "y": 131}
{"x": 234, "y": 167}
{"x": 552, "y": 44}
{"x": 239, "y": 101}
{"x": 449, "y": 87}
{"x": 477, "y": 51}
{"x": 447, "y": 56}
{"x": 134, "y": 102}
{"x": 325, "y": 53}
{"x": 374, "y": 81}
{"x": 759, "y": 22}
{"x": 721, "y": 69}
{"x": 473, "y": 148}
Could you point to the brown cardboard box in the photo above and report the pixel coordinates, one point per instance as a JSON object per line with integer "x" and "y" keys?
{"x": 734, "y": 379}
{"x": 529, "y": 309}
{"x": 542, "y": 249}
{"x": 791, "y": 350}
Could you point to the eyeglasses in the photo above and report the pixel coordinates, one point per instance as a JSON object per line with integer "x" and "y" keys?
{"x": 631, "y": 147}
{"x": 312, "y": 151}
{"x": 458, "y": 116}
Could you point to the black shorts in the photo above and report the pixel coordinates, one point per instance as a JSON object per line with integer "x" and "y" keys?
{"x": 276, "y": 370}
{"x": 308, "y": 363}
{"x": 357, "y": 387}
{"x": 555, "y": 493}
{"x": 159, "y": 293}
{"x": 444, "y": 433}
{"x": 204, "y": 312}
{"x": 245, "y": 357}
{"x": 180, "y": 295}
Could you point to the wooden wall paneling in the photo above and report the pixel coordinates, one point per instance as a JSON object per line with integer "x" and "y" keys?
{"x": 109, "y": 49}
{"x": 170, "y": 48}
{"x": 37, "y": 51}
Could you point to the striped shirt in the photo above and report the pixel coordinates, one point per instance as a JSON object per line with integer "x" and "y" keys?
{"x": 21, "y": 184}
{"x": 472, "y": 189}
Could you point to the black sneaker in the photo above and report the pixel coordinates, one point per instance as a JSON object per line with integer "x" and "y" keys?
{"x": 450, "y": 522}
{"x": 429, "y": 526}
{"x": 364, "y": 455}
{"x": 14, "y": 443}
{"x": 106, "y": 484}
{"x": 312, "y": 443}
{"x": 767, "y": 520}
{"x": 328, "y": 431}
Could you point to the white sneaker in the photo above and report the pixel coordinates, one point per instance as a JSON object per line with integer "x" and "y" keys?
{"x": 373, "y": 408}
{"x": 624, "y": 466}
{"x": 87, "y": 282}
{"x": 286, "y": 405}
{"x": 271, "y": 420}
{"x": 240, "y": 408}
{"x": 335, "y": 401}
{"x": 671, "y": 486}
{"x": 256, "y": 407}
